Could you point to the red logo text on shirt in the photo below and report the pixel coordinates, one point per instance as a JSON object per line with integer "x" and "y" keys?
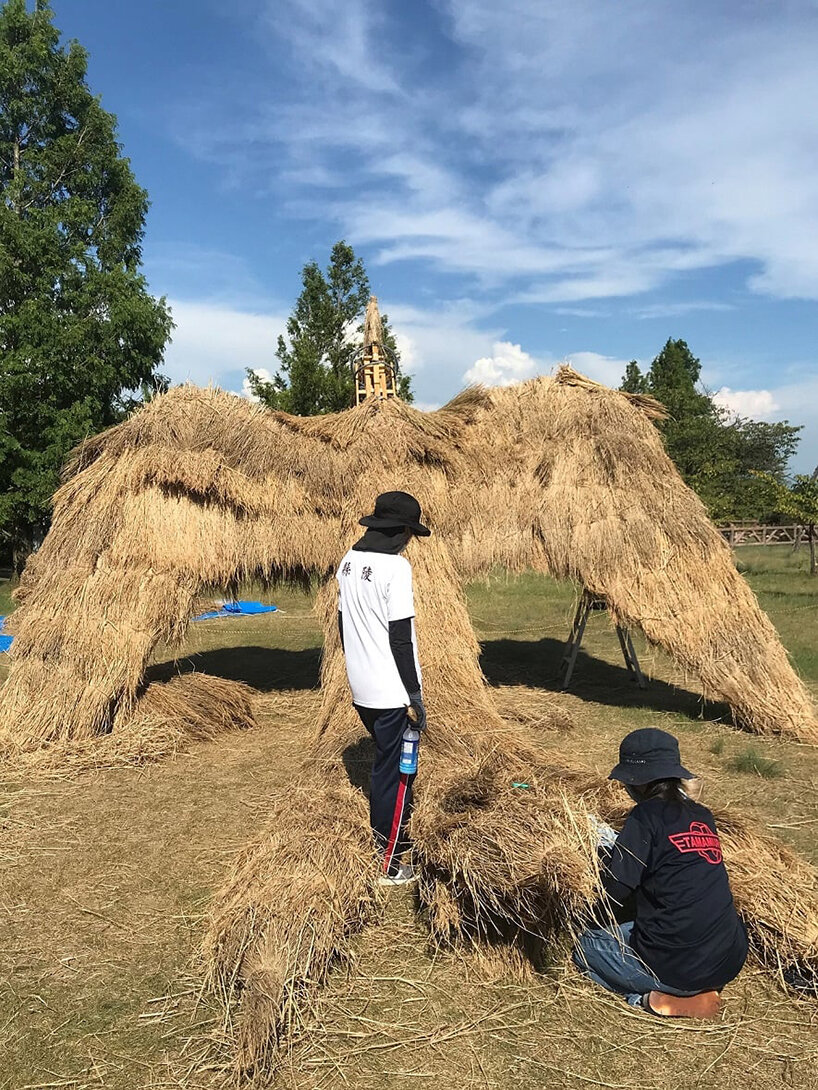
{"x": 699, "y": 838}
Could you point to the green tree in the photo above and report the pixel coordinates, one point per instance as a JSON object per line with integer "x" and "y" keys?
{"x": 634, "y": 381}
{"x": 672, "y": 379}
{"x": 799, "y": 501}
{"x": 323, "y": 336}
{"x": 718, "y": 454}
{"x": 753, "y": 447}
{"x": 78, "y": 328}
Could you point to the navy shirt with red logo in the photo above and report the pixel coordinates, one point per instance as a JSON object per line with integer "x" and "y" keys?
{"x": 686, "y": 928}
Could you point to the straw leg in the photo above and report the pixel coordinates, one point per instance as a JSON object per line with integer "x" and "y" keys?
{"x": 288, "y": 910}
{"x": 629, "y": 655}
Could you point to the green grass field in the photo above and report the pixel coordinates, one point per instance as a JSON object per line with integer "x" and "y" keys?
{"x": 105, "y": 878}
{"x": 6, "y": 604}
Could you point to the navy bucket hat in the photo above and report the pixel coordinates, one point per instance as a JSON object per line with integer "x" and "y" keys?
{"x": 649, "y": 754}
{"x": 393, "y": 510}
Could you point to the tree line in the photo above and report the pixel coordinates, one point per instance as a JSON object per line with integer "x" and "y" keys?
{"x": 82, "y": 338}
{"x": 728, "y": 460}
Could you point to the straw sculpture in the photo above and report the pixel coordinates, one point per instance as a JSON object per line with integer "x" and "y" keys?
{"x": 502, "y": 836}
{"x": 614, "y": 515}
{"x": 373, "y": 326}
{"x": 201, "y": 489}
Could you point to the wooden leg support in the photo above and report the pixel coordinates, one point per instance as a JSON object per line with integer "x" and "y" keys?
{"x": 587, "y": 603}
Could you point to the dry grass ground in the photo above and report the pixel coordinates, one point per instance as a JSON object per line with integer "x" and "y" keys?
{"x": 104, "y": 879}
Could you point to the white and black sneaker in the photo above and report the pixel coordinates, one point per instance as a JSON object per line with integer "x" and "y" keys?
{"x": 402, "y": 876}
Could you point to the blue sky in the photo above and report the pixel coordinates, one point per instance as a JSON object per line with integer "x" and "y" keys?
{"x": 528, "y": 182}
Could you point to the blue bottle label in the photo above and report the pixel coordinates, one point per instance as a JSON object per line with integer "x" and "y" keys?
{"x": 409, "y": 752}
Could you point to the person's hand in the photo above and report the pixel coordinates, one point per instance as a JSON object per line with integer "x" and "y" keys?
{"x": 419, "y": 708}
{"x": 605, "y": 835}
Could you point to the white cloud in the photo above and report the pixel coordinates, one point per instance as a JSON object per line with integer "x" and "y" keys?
{"x": 754, "y": 404}
{"x": 543, "y": 156}
{"x": 673, "y": 310}
{"x": 797, "y": 401}
{"x": 583, "y": 312}
{"x": 605, "y": 369}
{"x": 508, "y": 364}
{"x": 216, "y": 343}
{"x": 260, "y": 373}
{"x": 212, "y": 340}
{"x": 693, "y": 157}
{"x": 340, "y": 36}
{"x": 437, "y": 344}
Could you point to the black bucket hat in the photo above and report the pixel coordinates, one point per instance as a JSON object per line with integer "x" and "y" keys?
{"x": 396, "y": 509}
{"x": 649, "y": 754}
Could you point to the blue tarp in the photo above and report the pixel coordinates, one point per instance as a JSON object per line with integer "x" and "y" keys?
{"x": 236, "y": 609}
{"x": 229, "y": 609}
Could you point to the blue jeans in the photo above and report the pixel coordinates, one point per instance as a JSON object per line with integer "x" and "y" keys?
{"x": 607, "y": 957}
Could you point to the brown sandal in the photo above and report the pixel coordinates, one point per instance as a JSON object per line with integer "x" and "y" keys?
{"x": 703, "y": 1005}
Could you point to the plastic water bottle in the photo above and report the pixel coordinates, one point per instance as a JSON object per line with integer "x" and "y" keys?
{"x": 409, "y": 751}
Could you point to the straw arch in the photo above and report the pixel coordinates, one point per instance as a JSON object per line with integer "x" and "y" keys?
{"x": 201, "y": 489}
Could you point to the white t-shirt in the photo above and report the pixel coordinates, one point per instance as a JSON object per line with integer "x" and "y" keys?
{"x": 375, "y": 588}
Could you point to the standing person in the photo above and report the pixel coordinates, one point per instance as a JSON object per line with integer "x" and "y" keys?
{"x": 686, "y": 940}
{"x": 376, "y": 613}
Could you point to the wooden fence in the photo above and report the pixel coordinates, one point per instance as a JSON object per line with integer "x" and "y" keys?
{"x": 744, "y": 533}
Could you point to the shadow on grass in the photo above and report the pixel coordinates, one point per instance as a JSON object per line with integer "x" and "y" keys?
{"x": 358, "y": 759}
{"x": 788, "y": 594}
{"x": 504, "y": 662}
{"x": 536, "y": 663}
{"x": 264, "y": 668}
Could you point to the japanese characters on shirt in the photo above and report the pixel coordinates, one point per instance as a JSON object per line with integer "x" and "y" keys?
{"x": 374, "y": 589}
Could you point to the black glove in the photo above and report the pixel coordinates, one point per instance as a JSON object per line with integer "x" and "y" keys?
{"x": 419, "y": 708}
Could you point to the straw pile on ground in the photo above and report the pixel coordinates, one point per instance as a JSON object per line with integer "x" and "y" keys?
{"x": 167, "y": 718}
{"x": 293, "y": 900}
{"x": 505, "y": 868}
{"x": 201, "y": 489}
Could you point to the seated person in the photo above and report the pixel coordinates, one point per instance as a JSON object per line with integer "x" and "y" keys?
{"x": 686, "y": 939}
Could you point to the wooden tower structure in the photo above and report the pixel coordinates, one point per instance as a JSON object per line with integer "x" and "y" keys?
{"x": 375, "y": 371}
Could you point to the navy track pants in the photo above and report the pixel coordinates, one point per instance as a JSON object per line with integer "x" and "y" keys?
{"x": 390, "y": 792}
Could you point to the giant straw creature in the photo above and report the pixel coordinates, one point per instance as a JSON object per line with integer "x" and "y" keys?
{"x": 202, "y": 489}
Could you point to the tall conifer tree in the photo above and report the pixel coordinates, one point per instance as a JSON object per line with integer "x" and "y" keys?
{"x": 78, "y": 326}
{"x": 727, "y": 459}
{"x": 324, "y": 333}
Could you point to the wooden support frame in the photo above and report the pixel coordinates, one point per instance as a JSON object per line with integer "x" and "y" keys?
{"x": 587, "y": 604}
{"x": 374, "y": 376}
